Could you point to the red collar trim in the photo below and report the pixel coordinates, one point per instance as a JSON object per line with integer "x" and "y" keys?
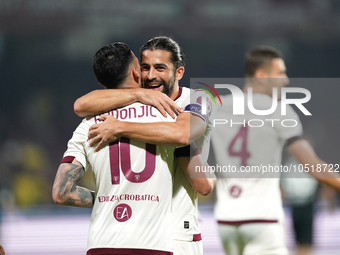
{"x": 179, "y": 93}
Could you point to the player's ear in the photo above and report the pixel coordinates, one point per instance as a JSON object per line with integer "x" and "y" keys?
{"x": 260, "y": 73}
{"x": 135, "y": 75}
{"x": 179, "y": 73}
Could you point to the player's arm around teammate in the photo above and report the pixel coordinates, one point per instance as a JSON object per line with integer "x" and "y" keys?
{"x": 183, "y": 131}
{"x": 98, "y": 101}
{"x": 65, "y": 190}
{"x": 108, "y": 131}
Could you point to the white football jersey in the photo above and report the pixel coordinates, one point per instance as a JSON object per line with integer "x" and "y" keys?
{"x": 250, "y": 140}
{"x": 185, "y": 198}
{"x": 132, "y": 208}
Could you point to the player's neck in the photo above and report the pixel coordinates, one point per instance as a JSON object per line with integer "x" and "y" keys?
{"x": 129, "y": 84}
{"x": 175, "y": 91}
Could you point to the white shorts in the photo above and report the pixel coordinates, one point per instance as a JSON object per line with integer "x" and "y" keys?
{"x": 188, "y": 247}
{"x": 253, "y": 239}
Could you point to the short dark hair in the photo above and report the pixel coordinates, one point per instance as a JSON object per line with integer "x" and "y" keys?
{"x": 167, "y": 44}
{"x": 111, "y": 63}
{"x": 259, "y": 57}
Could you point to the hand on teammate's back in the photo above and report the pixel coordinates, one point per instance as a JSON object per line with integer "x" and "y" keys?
{"x": 104, "y": 133}
{"x": 161, "y": 101}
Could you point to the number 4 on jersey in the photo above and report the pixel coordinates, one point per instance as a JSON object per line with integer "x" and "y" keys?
{"x": 242, "y": 135}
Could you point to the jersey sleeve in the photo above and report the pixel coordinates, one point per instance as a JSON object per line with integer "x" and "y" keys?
{"x": 199, "y": 104}
{"x": 76, "y": 145}
{"x": 290, "y": 125}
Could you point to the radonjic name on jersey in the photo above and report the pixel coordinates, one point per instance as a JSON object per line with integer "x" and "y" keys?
{"x": 131, "y": 112}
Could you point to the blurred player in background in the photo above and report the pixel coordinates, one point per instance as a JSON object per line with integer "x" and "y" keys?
{"x": 249, "y": 210}
{"x": 162, "y": 66}
{"x": 132, "y": 203}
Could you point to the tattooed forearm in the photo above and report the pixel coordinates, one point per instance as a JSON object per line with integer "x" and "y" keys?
{"x": 65, "y": 190}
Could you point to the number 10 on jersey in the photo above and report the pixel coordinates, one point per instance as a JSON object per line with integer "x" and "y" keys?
{"x": 120, "y": 158}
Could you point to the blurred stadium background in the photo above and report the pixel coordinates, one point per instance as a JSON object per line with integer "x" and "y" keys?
{"x": 46, "y": 50}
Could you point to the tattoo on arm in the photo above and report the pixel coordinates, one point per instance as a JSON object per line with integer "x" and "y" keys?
{"x": 65, "y": 185}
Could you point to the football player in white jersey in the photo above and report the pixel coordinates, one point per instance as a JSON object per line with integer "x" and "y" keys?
{"x": 131, "y": 213}
{"x": 249, "y": 210}
{"x": 162, "y": 66}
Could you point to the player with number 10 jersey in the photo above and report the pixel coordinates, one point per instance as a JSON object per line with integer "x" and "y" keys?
{"x": 132, "y": 208}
